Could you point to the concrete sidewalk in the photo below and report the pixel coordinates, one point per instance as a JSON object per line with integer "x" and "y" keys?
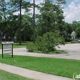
{"x": 35, "y": 75}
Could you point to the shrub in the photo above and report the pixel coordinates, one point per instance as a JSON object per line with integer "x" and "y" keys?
{"x": 48, "y": 41}
{"x": 30, "y": 47}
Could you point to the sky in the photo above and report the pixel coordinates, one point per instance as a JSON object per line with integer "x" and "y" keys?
{"x": 71, "y": 10}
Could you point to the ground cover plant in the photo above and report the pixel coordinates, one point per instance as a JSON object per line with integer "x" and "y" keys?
{"x": 33, "y": 47}
{"x": 61, "y": 67}
{"x": 9, "y": 76}
{"x": 46, "y": 43}
{"x": 17, "y": 45}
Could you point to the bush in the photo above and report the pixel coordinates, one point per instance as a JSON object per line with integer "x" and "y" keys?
{"x": 30, "y": 47}
{"x": 48, "y": 41}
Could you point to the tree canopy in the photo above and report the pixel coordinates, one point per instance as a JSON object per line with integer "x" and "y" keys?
{"x": 49, "y": 19}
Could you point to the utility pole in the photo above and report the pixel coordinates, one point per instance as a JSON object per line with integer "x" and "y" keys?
{"x": 20, "y": 23}
{"x": 33, "y": 20}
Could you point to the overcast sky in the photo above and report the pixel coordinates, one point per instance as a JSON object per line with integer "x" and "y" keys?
{"x": 71, "y": 10}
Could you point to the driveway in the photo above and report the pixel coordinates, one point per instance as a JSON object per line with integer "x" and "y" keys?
{"x": 72, "y": 49}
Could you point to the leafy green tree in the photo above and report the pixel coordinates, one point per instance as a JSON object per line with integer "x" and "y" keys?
{"x": 3, "y": 8}
{"x": 27, "y": 29}
{"x": 75, "y": 24}
{"x": 3, "y": 14}
{"x": 78, "y": 31}
{"x": 50, "y": 27}
{"x": 18, "y": 5}
{"x": 48, "y": 41}
{"x": 50, "y": 18}
{"x": 67, "y": 31}
{"x": 13, "y": 25}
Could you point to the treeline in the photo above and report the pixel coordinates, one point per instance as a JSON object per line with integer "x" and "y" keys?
{"x": 50, "y": 19}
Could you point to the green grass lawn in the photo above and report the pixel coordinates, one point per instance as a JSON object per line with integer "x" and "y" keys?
{"x": 61, "y": 67}
{"x": 9, "y": 76}
{"x": 17, "y": 45}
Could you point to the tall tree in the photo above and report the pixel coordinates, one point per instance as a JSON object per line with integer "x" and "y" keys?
{"x": 19, "y": 5}
{"x": 50, "y": 19}
{"x": 33, "y": 20}
{"x": 4, "y": 14}
{"x": 20, "y": 23}
{"x": 3, "y": 8}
